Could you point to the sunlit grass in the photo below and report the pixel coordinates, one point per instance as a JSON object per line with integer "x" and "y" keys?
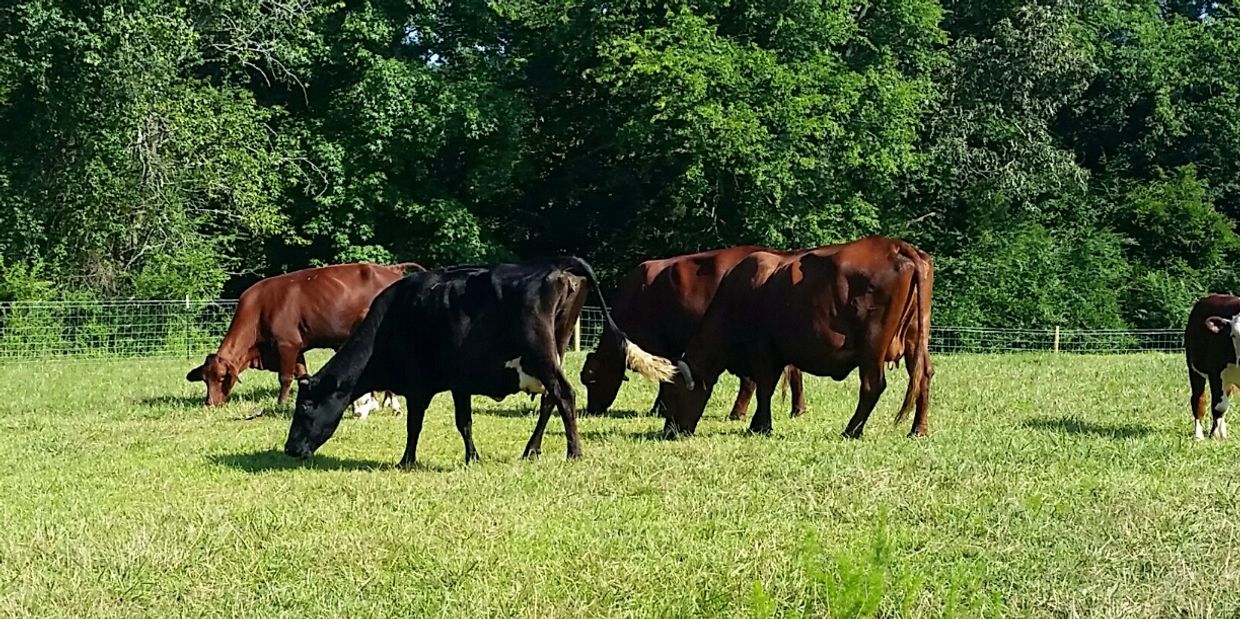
{"x": 1051, "y": 486}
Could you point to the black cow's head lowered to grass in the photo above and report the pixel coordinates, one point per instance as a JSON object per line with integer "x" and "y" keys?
{"x": 320, "y": 406}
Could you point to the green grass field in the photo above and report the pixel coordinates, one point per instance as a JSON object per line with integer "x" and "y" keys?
{"x": 1051, "y": 486}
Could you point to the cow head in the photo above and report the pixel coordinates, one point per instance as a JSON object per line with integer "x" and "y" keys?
{"x": 320, "y": 405}
{"x": 602, "y": 374}
{"x": 1229, "y": 326}
{"x": 219, "y": 375}
{"x": 685, "y": 399}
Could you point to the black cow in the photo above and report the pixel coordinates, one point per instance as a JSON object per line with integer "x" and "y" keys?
{"x": 468, "y": 330}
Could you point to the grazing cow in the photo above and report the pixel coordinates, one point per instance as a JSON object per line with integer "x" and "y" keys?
{"x": 471, "y": 331}
{"x": 827, "y": 311}
{"x": 281, "y": 317}
{"x": 1212, "y": 350}
{"x": 659, "y": 305}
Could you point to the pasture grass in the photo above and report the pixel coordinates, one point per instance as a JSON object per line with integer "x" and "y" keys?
{"x": 1052, "y": 486}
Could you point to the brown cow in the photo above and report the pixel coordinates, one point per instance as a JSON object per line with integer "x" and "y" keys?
{"x": 1212, "y": 350}
{"x": 658, "y": 306}
{"x": 281, "y": 317}
{"x": 827, "y": 311}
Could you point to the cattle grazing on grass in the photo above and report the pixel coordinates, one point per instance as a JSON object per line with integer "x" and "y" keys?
{"x": 659, "y": 305}
{"x": 1212, "y": 350}
{"x": 471, "y": 331}
{"x": 827, "y": 311}
{"x": 281, "y": 317}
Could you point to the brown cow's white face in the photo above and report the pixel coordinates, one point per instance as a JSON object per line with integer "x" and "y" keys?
{"x": 1230, "y": 377}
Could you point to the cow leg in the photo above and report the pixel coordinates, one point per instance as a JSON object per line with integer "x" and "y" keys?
{"x": 1197, "y": 382}
{"x": 302, "y": 368}
{"x": 465, "y": 423}
{"x": 659, "y": 408}
{"x": 289, "y": 356}
{"x": 796, "y": 384}
{"x": 743, "y": 395}
{"x": 413, "y": 424}
{"x": 393, "y": 401}
{"x": 560, "y": 392}
{"x": 533, "y": 448}
{"x": 1218, "y": 400}
{"x": 656, "y": 409}
{"x": 873, "y": 383}
{"x": 761, "y": 422}
{"x": 921, "y": 412}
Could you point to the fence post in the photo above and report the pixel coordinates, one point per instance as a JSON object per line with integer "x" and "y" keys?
{"x": 577, "y": 335}
{"x": 188, "y": 353}
{"x": 1055, "y": 346}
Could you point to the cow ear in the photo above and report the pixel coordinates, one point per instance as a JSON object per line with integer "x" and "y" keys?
{"x": 195, "y": 375}
{"x": 1218, "y": 324}
{"x": 682, "y": 370}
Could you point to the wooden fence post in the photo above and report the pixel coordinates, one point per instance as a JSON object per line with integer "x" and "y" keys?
{"x": 1055, "y": 346}
{"x": 189, "y": 353}
{"x": 577, "y": 335}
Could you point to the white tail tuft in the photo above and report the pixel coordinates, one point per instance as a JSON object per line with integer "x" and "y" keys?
{"x": 648, "y": 365}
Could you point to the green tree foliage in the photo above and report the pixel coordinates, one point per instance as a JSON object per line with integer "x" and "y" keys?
{"x": 1068, "y": 162}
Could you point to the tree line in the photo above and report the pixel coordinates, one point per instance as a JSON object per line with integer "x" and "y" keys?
{"x": 1070, "y": 162}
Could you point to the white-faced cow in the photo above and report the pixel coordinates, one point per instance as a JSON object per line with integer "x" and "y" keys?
{"x": 1212, "y": 349}
{"x": 468, "y": 330}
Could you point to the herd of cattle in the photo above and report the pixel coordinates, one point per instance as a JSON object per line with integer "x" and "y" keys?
{"x": 760, "y": 314}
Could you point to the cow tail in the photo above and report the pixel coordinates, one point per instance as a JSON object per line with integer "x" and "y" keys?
{"x": 916, "y": 360}
{"x": 650, "y": 366}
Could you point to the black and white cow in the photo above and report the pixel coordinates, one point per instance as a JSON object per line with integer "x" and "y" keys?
{"x": 1212, "y": 348}
{"x": 468, "y": 330}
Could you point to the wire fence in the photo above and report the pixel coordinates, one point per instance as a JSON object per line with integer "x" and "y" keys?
{"x": 32, "y": 331}
{"x": 951, "y": 339}
{"x": 38, "y": 331}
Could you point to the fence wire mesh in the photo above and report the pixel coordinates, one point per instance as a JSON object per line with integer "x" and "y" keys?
{"x": 111, "y": 329}
{"x": 127, "y": 329}
{"x": 952, "y": 339}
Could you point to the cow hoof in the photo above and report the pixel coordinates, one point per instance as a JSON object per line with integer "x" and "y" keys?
{"x": 574, "y": 455}
{"x": 531, "y": 454}
{"x": 736, "y": 417}
{"x": 797, "y": 413}
{"x": 918, "y": 434}
{"x": 851, "y": 436}
{"x": 406, "y": 465}
{"x": 766, "y": 431}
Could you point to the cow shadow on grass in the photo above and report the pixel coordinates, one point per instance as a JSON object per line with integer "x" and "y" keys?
{"x": 636, "y": 436}
{"x": 273, "y": 460}
{"x": 1081, "y": 427}
{"x": 532, "y": 414}
{"x": 265, "y": 396}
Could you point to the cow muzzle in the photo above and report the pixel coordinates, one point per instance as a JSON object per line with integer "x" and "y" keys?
{"x": 300, "y": 451}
